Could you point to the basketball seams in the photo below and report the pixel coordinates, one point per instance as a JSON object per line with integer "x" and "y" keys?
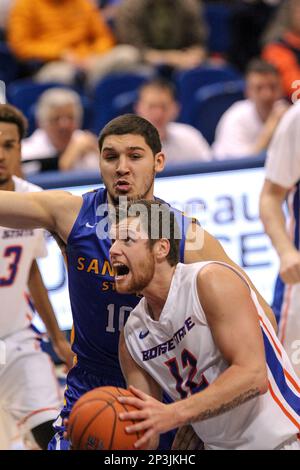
{"x": 91, "y": 420}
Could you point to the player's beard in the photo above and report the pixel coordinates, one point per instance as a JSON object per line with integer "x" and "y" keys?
{"x": 148, "y": 183}
{"x": 140, "y": 276}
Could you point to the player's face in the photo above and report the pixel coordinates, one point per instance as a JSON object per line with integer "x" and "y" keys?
{"x": 128, "y": 167}
{"x": 131, "y": 257}
{"x": 10, "y": 151}
{"x": 60, "y": 124}
{"x": 264, "y": 89}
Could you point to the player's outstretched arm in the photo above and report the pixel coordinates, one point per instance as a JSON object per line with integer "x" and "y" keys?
{"x": 233, "y": 320}
{"x": 55, "y": 211}
{"x": 272, "y": 216}
{"x": 202, "y": 246}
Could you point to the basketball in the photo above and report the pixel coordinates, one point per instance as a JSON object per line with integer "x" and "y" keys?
{"x": 94, "y": 422}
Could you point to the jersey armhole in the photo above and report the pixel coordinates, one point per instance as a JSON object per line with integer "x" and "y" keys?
{"x": 75, "y": 225}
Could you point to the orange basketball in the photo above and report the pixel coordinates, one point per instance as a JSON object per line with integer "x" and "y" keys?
{"x": 94, "y": 422}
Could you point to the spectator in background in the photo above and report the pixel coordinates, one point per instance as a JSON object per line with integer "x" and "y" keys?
{"x": 165, "y": 32}
{"x": 249, "y": 19}
{"x": 109, "y": 9}
{"x": 68, "y": 36}
{"x": 58, "y": 142}
{"x": 5, "y": 6}
{"x": 181, "y": 143}
{"x": 246, "y": 128}
{"x": 282, "y": 47}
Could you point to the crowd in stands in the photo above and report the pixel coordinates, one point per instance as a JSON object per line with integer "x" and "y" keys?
{"x": 236, "y": 59}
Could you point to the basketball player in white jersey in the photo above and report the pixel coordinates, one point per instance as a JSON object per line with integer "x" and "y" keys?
{"x": 29, "y": 394}
{"x": 282, "y": 184}
{"x": 200, "y": 334}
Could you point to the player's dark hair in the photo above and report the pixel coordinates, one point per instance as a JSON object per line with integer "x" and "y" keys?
{"x": 157, "y": 221}
{"x": 12, "y": 115}
{"x": 132, "y": 124}
{"x": 261, "y": 66}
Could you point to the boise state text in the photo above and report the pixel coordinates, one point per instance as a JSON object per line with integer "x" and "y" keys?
{"x": 171, "y": 343}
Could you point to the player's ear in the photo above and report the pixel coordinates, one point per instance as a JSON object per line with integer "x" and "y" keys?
{"x": 159, "y": 162}
{"x": 162, "y": 249}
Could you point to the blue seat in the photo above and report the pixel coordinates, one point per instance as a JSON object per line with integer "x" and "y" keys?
{"x": 9, "y": 67}
{"x": 211, "y": 102}
{"x": 189, "y": 81}
{"x": 107, "y": 89}
{"x": 25, "y": 93}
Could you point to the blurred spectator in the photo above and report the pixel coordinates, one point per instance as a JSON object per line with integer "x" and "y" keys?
{"x": 246, "y": 128}
{"x": 283, "y": 44}
{"x": 165, "y": 32}
{"x": 109, "y": 9}
{"x": 5, "y": 6}
{"x": 181, "y": 143}
{"x": 68, "y": 35}
{"x": 248, "y": 22}
{"x": 58, "y": 142}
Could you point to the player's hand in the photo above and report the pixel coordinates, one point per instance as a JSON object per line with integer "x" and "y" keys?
{"x": 290, "y": 267}
{"x": 63, "y": 349}
{"x": 152, "y": 416}
{"x": 187, "y": 439}
{"x": 84, "y": 141}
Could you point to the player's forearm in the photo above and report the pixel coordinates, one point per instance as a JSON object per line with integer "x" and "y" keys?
{"x": 42, "y": 303}
{"x": 234, "y": 387}
{"x": 273, "y": 219}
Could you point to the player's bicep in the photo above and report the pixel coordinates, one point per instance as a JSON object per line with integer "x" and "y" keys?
{"x": 135, "y": 375}
{"x": 232, "y": 316}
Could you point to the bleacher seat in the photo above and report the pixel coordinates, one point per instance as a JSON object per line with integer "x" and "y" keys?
{"x": 211, "y": 102}
{"x": 218, "y": 17}
{"x": 106, "y": 91}
{"x": 189, "y": 82}
{"x": 9, "y": 66}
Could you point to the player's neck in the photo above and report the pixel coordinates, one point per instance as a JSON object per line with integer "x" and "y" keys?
{"x": 7, "y": 185}
{"x": 156, "y": 293}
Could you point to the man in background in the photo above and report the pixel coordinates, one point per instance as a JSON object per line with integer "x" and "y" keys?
{"x": 58, "y": 142}
{"x": 181, "y": 143}
{"x": 246, "y": 128}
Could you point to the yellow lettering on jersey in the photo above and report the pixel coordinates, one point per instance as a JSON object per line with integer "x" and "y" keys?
{"x": 107, "y": 267}
{"x": 108, "y": 285}
{"x": 93, "y": 266}
{"x": 80, "y": 265}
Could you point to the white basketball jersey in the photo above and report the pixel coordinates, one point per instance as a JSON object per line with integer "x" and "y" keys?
{"x": 18, "y": 249}
{"x": 179, "y": 352}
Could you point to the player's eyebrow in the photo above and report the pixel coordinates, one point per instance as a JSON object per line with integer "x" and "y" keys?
{"x": 131, "y": 148}
{"x": 10, "y": 140}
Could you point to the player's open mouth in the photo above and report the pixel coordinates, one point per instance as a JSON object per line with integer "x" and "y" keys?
{"x": 122, "y": 186}
{"x": 121, "y": 271}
